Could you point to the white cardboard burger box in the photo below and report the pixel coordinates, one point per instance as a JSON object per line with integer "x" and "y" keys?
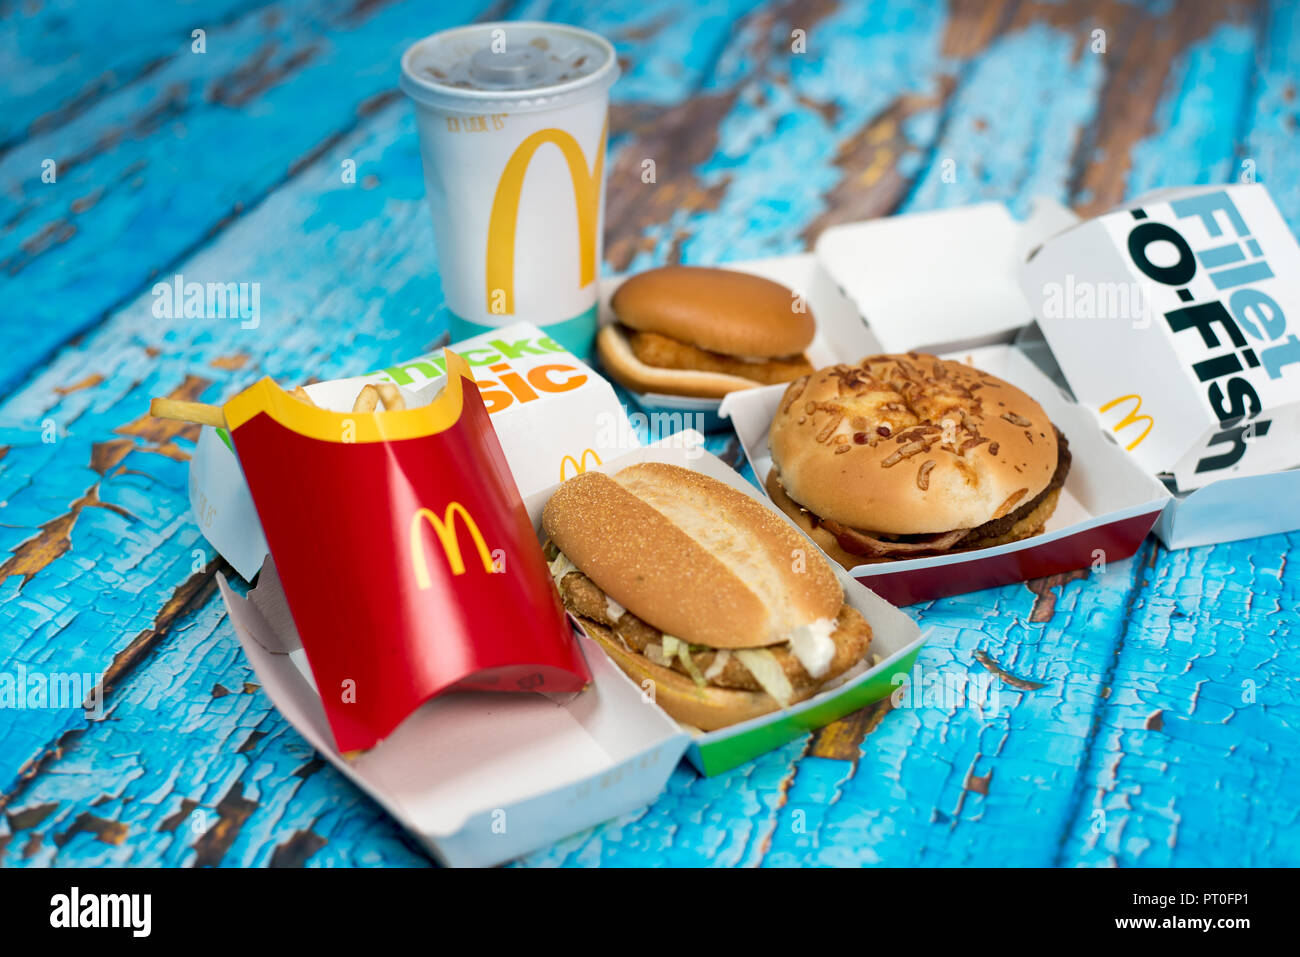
{"x": 553, "y": 414}
{"x": 1175, "y": 318}
{"x": 482, "y": 778}
{"x": 947, "y": 282}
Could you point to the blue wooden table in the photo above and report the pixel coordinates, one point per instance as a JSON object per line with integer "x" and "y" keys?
{"x": 1147, "y": 713}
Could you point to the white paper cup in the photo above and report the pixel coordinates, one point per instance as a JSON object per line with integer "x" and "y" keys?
{"x": 512, "y": 119}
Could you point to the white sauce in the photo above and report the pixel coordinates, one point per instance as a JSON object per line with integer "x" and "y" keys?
{"x": 813, "y": 646}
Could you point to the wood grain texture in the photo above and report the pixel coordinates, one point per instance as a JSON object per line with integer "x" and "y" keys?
{"x": 1138, "y": 715}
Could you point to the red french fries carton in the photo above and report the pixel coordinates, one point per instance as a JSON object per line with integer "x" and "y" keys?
{"x": 405, "y": 553}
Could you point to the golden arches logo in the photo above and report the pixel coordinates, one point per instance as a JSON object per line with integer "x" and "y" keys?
{"x": 579, "y": 465}
{"x": 504, "y": 217}
{"x": 445, "y": 528}
{"x": 1131, "y": 418}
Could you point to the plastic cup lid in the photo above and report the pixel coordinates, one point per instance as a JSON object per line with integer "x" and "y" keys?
{"x": 507, "y": 67}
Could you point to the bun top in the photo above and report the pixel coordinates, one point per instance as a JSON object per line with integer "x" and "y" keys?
{"x": 911, "y": 444}
{"x": 716, "y": 309}
{"x": 692, "y": 556}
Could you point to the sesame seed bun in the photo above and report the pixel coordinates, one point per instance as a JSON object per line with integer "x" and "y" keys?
{"x": 911, "y": 445}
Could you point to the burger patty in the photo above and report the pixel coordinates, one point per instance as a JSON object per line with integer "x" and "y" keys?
{"x": 664, "y": 352}
{"x": 852, "y": 637}
{"x": 878, "y": 545}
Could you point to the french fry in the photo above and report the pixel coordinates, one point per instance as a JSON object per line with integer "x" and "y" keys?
{"x": 200, "y": 413}
{"x": 196, "y": 413}
{"x": 391, "y": 397}
{"x": 367, "y": 399}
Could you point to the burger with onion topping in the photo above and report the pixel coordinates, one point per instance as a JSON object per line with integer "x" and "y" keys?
{"x": 908, "y": 456}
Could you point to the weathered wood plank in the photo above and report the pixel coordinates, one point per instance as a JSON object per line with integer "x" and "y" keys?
{"x": 1194, "y": 760}
{"x": 62, "y": 57}
{"x": 165, "y": 780}
{"x": 149, "y": 173}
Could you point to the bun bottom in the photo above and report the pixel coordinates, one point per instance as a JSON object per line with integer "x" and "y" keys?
{"x": 1029, "y": 526}
{"x": 621, "y": 363}
{"x": 708, "y": 708}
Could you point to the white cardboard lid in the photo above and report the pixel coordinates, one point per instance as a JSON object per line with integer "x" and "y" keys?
{"x": 942, "y": 280}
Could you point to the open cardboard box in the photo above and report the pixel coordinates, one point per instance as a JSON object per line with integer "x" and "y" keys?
{"x": 480, "y": 779}
{"x": 895, "y": 643}
{"x": 1107, "y": 506}
{"x": 950, "y": 280}
{"x": 947, "y": 282}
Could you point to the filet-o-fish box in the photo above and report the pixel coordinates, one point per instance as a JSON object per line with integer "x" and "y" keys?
{"x": 1175, "y": 319}
{"x": 553, "y": 414}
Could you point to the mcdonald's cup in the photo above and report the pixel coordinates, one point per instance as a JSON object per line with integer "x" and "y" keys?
{"x": 512, "y": 119}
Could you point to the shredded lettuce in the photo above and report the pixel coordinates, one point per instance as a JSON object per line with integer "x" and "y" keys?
{"x": 720, "y": 660}
{"x": 676, "y": 648}
{"x": 684, "y": 656}
{"x": 656, "y": 654}
{"x": 767, "y": 671}
{"x": 561, "y": 566}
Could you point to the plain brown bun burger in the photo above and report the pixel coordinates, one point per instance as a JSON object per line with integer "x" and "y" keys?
{"x": 703, "y": 591}
{"x": 695, "y": 331}
{"x": 905, "y": 456}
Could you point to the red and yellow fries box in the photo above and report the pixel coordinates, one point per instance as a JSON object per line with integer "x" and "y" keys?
{"x": 405, "y": 552}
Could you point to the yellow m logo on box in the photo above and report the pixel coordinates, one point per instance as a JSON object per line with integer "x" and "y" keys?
{"x": 445, "y": 528}
{"x": 579, "y": 465}
{"x": 504, "y": 217}
{"x": 1131, "y": 418}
